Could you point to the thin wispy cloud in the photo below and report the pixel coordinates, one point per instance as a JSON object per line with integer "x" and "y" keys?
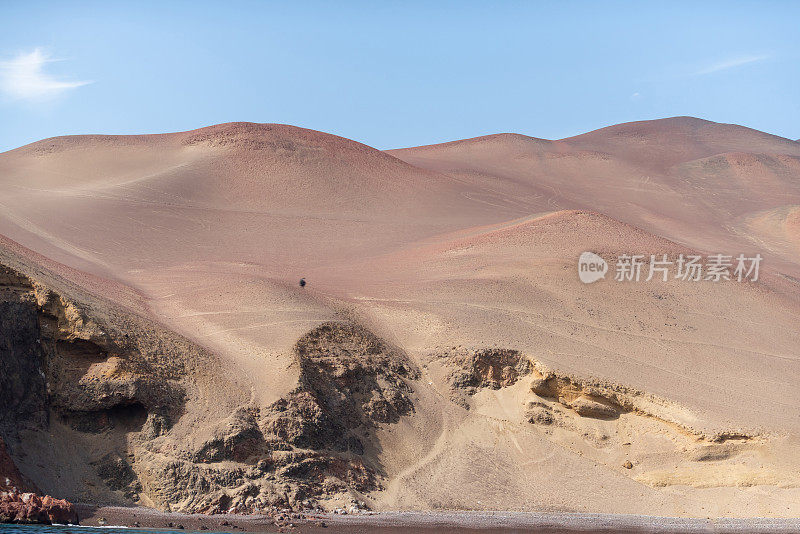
{"x": 24, "y": 78}
{"x": 732, "y": 63}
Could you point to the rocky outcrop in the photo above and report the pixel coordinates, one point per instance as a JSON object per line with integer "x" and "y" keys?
{"x": 488, "y": 368}
{"x": 91, "y": 369}
{"x": 315, "y": 442}
{"x": 95, "y": 382}
{"x": 237, "y": 438}
{"x": 79, "y": 369}
{"x": 484, "y": 368}
{"x": 55, "y": 359}
{"x": 350, "y": 382}
{"x": 31, "y": 508}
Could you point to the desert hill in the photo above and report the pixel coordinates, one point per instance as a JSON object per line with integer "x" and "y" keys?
{"x": 444, "y": 353}
{"x": 694, "y": 181}
{"x": 203, "y": 221}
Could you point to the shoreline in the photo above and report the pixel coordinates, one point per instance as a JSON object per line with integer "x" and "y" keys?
{"x": 441, "y": 522}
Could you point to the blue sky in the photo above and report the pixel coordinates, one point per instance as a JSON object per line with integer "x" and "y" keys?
{"x": 394, "y": 74}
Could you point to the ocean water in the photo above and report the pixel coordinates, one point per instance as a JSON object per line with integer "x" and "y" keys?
{"x": 47, "y": 529}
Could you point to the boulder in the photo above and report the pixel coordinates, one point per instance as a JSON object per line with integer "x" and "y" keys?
{"x": 587, "y": 407}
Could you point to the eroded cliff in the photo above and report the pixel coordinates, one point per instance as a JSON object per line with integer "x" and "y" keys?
{"x": 92, "y": 395}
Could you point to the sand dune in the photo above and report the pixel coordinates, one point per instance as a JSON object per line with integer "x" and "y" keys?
{"x": 179, "y": 216}
{"x": 502, "y": 381}
{"x": 687, "y": 179}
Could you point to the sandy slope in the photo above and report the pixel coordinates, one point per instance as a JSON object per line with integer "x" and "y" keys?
{"x": 179, "y": 216}
{"x": 690, "y": 180}
{"x": 721, "y": 352}
{"x": 448, "y": 249}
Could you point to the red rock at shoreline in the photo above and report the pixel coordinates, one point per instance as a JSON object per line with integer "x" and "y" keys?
{"x": 31, "y": 508}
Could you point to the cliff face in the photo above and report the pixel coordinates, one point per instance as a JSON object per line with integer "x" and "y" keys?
{"x": 99, "y": 405}
{"x": 22, "y": 385}
{"x": 56, "y": 361}
{"x": 62, "y": 374}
